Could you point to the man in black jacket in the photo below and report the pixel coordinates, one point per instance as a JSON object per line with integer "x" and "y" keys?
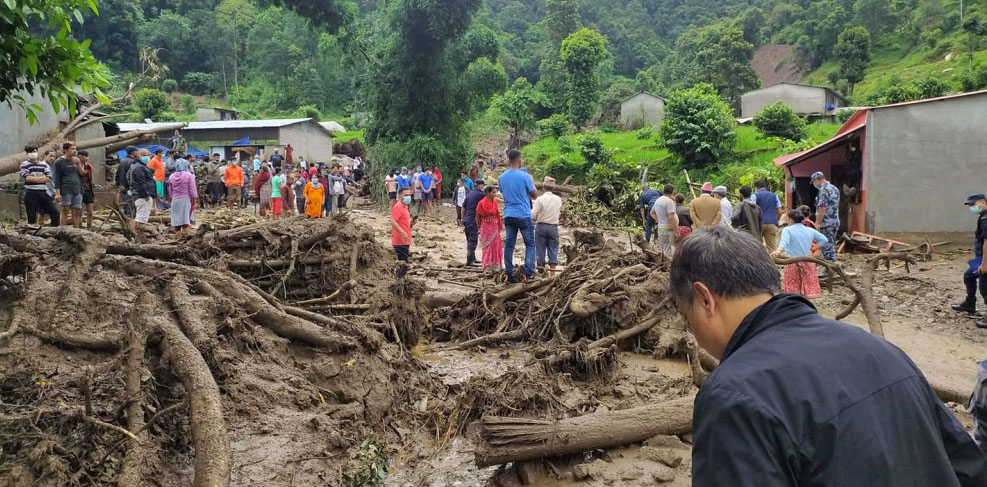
{"x": 802, "y": 400}
{"x": 140, "y": 179}
{"x": 123, "y": 169}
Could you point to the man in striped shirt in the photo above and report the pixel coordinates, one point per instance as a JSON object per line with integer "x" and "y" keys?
{"x": 36, "y": 174}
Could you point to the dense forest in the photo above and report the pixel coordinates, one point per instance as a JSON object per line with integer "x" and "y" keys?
{"x": 267, "y": 59}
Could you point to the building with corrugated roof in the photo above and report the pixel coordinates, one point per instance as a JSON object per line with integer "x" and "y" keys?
{"x": 904, "y": 170}
{"x": 808, "y": 101}
{"x": 249, "y": 138}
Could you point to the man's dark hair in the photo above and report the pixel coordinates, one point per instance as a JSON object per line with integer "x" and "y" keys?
{"x": 679, "y": 199}
{"x": 731, "y": 264}
{"x": 159, "y": 151}
{"x": 513, "y": 154}
{"x": 131, "y": 149}
{"x": 67, "y": 145}
{"x": 668, "y": 189}
{"x": 402, "y": 191}
{"x": 796, "y": 215}
{"x": 745, "y": 191}
{"x": 30, "y": 148}
{"x": 49, "y": 151}
{"x": 82, "y": 153}
{"x": 760, "y": 184}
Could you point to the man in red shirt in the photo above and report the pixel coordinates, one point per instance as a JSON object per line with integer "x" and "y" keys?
{"x": 401, "y": 224}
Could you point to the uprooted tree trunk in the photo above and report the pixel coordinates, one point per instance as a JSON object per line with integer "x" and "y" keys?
{"x": 504, "y": 440}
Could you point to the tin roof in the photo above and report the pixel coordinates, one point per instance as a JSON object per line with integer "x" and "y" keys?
{"x": 221, "y": 124}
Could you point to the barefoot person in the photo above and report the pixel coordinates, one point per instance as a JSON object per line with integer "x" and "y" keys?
{"x": 799, "y": 399}
{"x": 401, "y": 224}
{"x": 491, "y": 224}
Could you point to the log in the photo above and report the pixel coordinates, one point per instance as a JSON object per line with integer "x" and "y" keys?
{"x": 504, "y": 440}
{"x": 213, "y": 459}
{"x": 493, "y": 338}
{"x": 113, "y": 139}
{"x": 284, "y": 263}
{"x": 130, "y": 469}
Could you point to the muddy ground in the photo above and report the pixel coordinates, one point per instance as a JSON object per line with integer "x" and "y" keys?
{"x": 297, "y": 414}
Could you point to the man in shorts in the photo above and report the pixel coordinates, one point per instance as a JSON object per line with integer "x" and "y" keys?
{"x": 427, "y": 183}
{"x": 67, "y": 177}
{"x": 88, "y": 190}
{"x": 391, "y": 185}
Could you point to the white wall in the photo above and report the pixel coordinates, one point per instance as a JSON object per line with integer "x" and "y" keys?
{"x": 805, "y": 100}
{"x": 308, "y": 140}
{"x": 643, "y": 107}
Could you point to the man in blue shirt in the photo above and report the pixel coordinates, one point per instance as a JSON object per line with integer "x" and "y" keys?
{"x": 467, "y": 182}
{"x": 518, "y": 189}
{"x": 404, "y": 181}
{"x": 827, "y": 213}
{"x": 770, "y": 206}
{"x": 645, "y": 203}
{"x": 469, "y": 222}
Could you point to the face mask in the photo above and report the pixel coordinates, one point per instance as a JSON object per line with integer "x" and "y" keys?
{"x": 818, "y": 186}
{"x": 975, "y": 210}
{"x": 145, "y": 159}
{"x": 33, "y": 155}
{"x": 406, "y": 200}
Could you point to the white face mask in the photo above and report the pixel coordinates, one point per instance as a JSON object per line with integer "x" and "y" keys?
{"x": 32, "y": 155}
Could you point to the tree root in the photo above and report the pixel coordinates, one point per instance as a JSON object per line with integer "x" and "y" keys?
{"x": 330, "y": 298}
{"x": 65, "y": 339}
{"x": 210, "y": 439}
{"x": 493, "y": 338}
{"x": 130, "y": 469}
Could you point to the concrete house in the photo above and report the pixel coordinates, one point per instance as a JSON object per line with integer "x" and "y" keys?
{"x": 215, "y": 114}
{"x": 307, "y": 137}
{"x": 810, "y": 101}
{"x": 904, "y": 170}
{"x": 642, "y": 109}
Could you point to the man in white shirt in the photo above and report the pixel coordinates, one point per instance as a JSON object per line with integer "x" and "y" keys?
{"x": 545, "y": 214}
{"x": 666, "y": 220}
{"x": 720, "y": 193}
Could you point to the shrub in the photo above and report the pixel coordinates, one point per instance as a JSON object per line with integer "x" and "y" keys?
{"x": 555, "y": 126}
{"x": 198, "y": 83}
{"x": 562, "y": 168}
{"x": 591, "y": 147}
{"x": 151, "y": 102}
{"x": 930, "y": 87}
{"x": 698, "y": 126}
{"x": 899, "y": 93}
{"x": 843, "y": 116}
{"x": 188, "y": 104}
{"x": 307, "y": 111}
{"x": 645, "y": 133}
{"x": 779, "y": 120}
{"x": 567, "y": 144}
{"x": 169, "y": 86}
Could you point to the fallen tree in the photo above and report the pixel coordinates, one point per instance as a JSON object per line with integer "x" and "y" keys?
{"x": 503, "y": 440}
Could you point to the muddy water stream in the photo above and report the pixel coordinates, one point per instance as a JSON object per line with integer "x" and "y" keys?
{"x": 453, "y": 465}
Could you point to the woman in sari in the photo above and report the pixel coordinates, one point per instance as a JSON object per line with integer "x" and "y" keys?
{"x": 796, "y": 241}
{"x": 488, "y": 216}
{"x": 315, "y": 195}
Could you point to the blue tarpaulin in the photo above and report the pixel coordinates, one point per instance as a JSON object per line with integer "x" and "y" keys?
{"x": 196, "y": 152}
{"x": 151, "y": 147}
{"x": 243, "y": 141}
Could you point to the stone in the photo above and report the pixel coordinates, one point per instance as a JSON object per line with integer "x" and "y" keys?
{"x": 666, "y": 441}
{"x": 667, "y": 456}
{"x": 632, "y": 474}
{"x": 663, "y": 474}
{"x": 594, "y": 469}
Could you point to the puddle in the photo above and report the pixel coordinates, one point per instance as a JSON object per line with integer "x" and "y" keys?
{"x": 455, "y": 367}
{"x": 636, "y": 364}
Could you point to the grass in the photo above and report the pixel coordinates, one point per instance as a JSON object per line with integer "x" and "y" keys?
{"x": 630, "y": 149}
{"x": 349, "y": 135}
{"x": 894, "y": 59}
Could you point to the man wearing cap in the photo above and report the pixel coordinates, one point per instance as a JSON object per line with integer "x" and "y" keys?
{"x": 470, "y": 227}
{"x": 977, "y": 272}
{"x": 726, "y": 211}
{"x": 827, "y": 213}
{"x": 705, "y": 210}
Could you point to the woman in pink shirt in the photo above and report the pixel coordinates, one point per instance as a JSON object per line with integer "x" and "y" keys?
{"x": 182, "y": 191}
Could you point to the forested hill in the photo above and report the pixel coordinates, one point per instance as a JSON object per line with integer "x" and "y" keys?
{"x": 266, "y": 59}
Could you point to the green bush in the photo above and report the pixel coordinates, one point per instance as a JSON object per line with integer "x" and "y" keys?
{"x": 567, "y": 144}
{"x": 307, "y": 111}
{"x": 562, "y": 168}
{"x": 900, "y": 93}
{"x": 779, "y": 120}
{"x": 151, "y": 102}
{"x": 198, "y": 83}
{"x": 646, "y": 133}
{"x": 555, "y": 126}
{"x": 169, "y": 86}
{"x": 591, "y": 147}
{"x": 931, "y": 87}
{"x": 188, "y": 104}
{"x": 843, "y": 116}
{"x": 698, "y": 126}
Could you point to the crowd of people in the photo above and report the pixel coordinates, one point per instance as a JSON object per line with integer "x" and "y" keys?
{"x": 59, "y": 185}
{"x": 758, "y": 213}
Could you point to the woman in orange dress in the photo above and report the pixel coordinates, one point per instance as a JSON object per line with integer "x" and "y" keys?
{"x": 315, "y": 195}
